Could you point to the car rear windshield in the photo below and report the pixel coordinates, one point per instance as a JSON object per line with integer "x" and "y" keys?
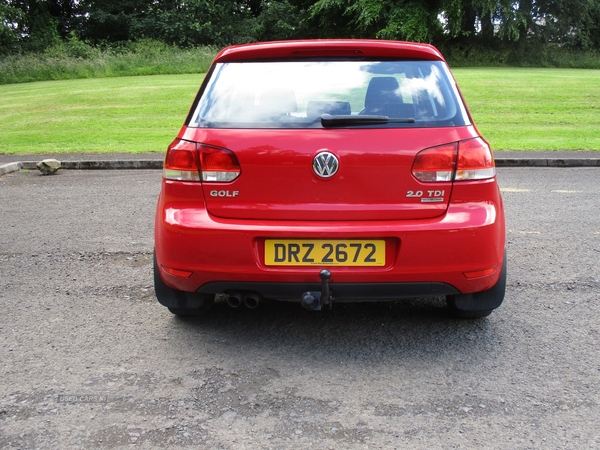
{"x": 314, "y": 94}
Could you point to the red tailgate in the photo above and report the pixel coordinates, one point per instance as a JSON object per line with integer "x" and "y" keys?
{"x": 373, "y": 182}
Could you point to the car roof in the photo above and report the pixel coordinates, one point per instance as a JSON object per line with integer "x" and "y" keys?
{"x": 325, "y": 48}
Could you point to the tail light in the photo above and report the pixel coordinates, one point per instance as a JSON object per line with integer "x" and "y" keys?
{"x": 459, "y": 161}
{"x": 181, "y": 162}
{"x": 435, "y": 164}
{"x": 190, "y": 161}
{"x": 218, "y": 164}
{"x": 475, "y": 161}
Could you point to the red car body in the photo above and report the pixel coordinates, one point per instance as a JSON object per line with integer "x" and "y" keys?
{"x": 346, "y": 206}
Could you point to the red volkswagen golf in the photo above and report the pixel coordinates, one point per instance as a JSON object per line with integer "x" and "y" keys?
{"x": 329, "y": 171}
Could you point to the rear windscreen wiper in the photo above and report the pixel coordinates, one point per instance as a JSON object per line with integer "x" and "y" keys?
{"x": 328, "y": 120}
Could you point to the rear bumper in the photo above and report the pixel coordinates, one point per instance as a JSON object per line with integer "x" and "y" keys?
{"x": 423, "y": 257}
{"x": 345, "y": 292}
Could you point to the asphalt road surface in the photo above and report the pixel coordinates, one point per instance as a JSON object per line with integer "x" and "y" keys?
{"x": 89, "y": 359}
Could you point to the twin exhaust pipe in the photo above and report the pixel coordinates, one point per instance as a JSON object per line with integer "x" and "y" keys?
{"x": 250, "y": 300}
{"x": 311, "y": 300}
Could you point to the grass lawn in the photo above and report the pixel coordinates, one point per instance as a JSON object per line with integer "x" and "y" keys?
{"x": 97, "y": 115}
{"x": 515, "y": 109}
{"x": 534, "y": 109}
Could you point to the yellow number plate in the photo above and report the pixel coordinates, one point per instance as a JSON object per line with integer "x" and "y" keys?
{"x": 314, "y": 252}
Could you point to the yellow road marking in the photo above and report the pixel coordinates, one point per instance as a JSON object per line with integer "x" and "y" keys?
{"x": 524, "y": 232}
{"x": 562, "y": 191}
{"x": 514, "y": 190}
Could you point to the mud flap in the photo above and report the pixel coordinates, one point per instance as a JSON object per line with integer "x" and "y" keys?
{"x": 480, "y": 304}
{"x": 173, "y": 298}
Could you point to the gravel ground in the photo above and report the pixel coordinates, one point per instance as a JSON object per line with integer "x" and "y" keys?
{"x": 90, "y": 359}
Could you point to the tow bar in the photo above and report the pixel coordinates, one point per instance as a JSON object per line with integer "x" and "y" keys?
{"x": 314, "y": 301}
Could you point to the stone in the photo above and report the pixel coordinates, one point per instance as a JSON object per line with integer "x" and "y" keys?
{"x": 48, "y": 166}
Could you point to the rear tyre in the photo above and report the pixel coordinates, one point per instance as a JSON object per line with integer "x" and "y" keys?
{"x": 179, "y": 302}
{"x": 479, "y": 304}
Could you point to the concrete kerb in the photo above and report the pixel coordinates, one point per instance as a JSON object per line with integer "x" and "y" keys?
{"x": 10, "y": 167}
{"x": 151, "y": 164}
{"x": 104, "y": 165}
{"x": 548, "y": 162}
{"x": 155, "y": 164}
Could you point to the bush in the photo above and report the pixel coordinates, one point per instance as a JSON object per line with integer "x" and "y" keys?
{"x": 72, "y": 48}
{"x": 76, "y": 59}
{"x": 581, "y": 59}
{"x": 519, "y": 54}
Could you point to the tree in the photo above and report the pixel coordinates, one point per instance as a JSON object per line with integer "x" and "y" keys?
{"x": 111, "y": 20}
{"x": 11, "y": 19}
{"x": 202, "y": 22}
{"x": 570, "y": 22}
{"x": 31, "y": 25}
{"x": 278, "y": 20}
{"x": 388, "y": 19}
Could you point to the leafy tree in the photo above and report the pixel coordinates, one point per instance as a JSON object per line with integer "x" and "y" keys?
{"x": 278, "y": 20}
{"x": 572, "y": 22}
{"x": 406, "y": 19}
{"x": 202, "y": 22}
{"x": 11, "y": 19}
{"x": 413, "y": 21}
{"x": 111, "y": 20}
{"x": 33, "y": 25}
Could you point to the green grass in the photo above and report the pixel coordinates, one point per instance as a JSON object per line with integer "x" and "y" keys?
{"x": 103, "y": 115}
{"x": 515, "y": 109}
{"x": 534, "y": 109}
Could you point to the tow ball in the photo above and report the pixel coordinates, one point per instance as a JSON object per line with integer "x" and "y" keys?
{"x": 313, "y": 300}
